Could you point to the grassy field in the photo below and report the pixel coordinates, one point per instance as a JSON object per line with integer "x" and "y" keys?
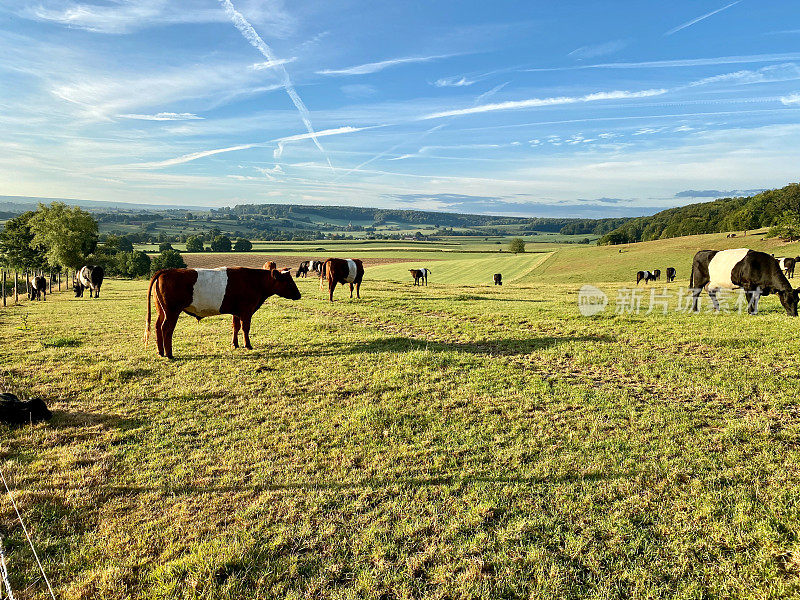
{"x": 455, "y": 441}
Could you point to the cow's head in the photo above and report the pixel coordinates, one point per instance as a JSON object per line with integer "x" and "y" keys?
{"x": 789, "y": 301}
{"x": 284, "y": 286}
{"x": 78, "y": 289}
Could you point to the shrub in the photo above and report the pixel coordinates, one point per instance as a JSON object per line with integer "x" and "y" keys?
{"x": 169, "y": 259}
{"x": 243, "y": 245}
{"x": 194, "y": 244}
{"x": 132, "y": 264}
{"x": 221, "y": 243}
{"x": 516, "y": 245}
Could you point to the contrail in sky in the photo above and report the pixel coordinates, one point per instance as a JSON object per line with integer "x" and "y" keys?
{"x": 255, "y": 40}
{"x": 700, "y": 18}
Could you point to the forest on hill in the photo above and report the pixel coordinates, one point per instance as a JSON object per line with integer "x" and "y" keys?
{"x": 724, "y": 214}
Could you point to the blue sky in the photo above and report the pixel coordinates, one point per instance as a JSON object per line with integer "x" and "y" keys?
{"x": 571, "y": 108}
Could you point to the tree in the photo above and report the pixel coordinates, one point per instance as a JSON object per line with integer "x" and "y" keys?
{"x": 221, "y": 243}
{"x": 132, "y": 264}
{"x": 169, "y": 259}
{"x": 516, "y": 245}
{"x": 69, "y": 234}
{"x": 17, "y": 249}
{"x": 164, "y": 246}
{"x": 243, "y": 245}
{"x": 787, "y": 228}
{"x": 194, "y": 244}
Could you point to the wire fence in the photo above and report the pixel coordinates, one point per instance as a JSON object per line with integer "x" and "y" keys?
{"x": 15, "y": 286}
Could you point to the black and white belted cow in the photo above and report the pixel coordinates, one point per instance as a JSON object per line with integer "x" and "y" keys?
{"x": 37, "y": 288}
{"x": 201, "y": 293}
{"x": 344, "y": 271}
{"x": 420, "y": 275}
{"x": 316, "y": 266}
{"x": 671, "y": 273}
{"x": 757, "y": 273}
{"x": 787, "y": 266}
{"x": 646, "y": 276}
{"x": 302, "y": 270}
{"x": 88, "y": 278}
{"x": 656, "y": 274}
{"x": 498, "y": 279}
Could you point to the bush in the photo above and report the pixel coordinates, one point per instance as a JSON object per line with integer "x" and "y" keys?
{"x": 243, "y": 245}
{"x": 164, "y": 246}
{"x": 221, "y": 243}
{"x": 516, "y": 245}
{"x": 787, "y": 227}
{"x": 169, "y": 259}
{"x": 194, "y": 244}
{"x": 132, "y": 264}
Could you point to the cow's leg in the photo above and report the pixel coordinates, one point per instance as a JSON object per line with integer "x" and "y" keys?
{"x": 714, "y": 301}
{"x": 159, "y": 333}
{"x": 358, "y": 290}
{"x": 168, "y": 328}
{"x": 246, "y": 332}
{"x": 237, "y": 323}
{"x": 351, "y": 290}
{"x": 753, "y": 296}
{"x": 331, "y": 285}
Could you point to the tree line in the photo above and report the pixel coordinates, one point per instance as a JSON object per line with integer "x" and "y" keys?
{"x": 778, "y": 209}
{"x": 57, "y": 236}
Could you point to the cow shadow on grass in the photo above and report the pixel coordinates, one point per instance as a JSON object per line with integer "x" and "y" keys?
{"x": 495, "y": 347}
{"x": 66, "y": 419}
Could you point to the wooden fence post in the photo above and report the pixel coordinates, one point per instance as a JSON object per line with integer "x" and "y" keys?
{"x": 16, "y": 287}
{"x": 4, "y": 287}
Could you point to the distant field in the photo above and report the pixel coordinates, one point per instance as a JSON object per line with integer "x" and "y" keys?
{"x": 460, "y": 440}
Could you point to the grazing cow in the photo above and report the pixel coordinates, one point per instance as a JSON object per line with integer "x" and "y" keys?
{"x": 88, "y": 278}
{"x": 671, "y": 273}
{"x": 37, "y": 288}
{"x": 18, "y": 412}
{"x": 498, "y": 279}
{"x": 787, "y": 266}
{"x": 656, "y": 274}
{"x": 270, "y": 264}
{"x": 645, "y": 276}
{"x": 342, "y": 270}
{"x": 302, "y": 270}
{"x": 756, "y": 272}
{"x": 236, "y": 291}
{"x": 316, "y": 266}
{"x": 420, "y": 275}
{"x": 731, "y": 235}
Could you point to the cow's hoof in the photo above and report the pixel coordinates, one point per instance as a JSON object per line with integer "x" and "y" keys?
{"x": 248, "y": 347}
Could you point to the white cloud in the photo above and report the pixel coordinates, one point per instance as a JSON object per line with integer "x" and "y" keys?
{"x": 538, "y": 102}
{"x": 769, "y": 74}
{"x": 374, "y": 67}
{"x": 271, "y": 64}
{"x": 681, "y": 62}
{"x": 453, "y": 82}
{"x": 790, "y": 99}
{"x": 163, "y": 116}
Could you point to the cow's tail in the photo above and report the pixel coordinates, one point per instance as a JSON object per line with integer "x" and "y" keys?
{"x": 323, "y": 273}
{"x": 149, "y": 296}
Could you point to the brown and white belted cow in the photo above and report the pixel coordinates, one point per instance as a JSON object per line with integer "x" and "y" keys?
{"x": 236, "y": 291}
{"x": 342, "y": 270}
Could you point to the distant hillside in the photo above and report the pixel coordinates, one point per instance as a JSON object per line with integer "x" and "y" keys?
{"x": 143, "y": 223}
{"x": 724, "y": 214}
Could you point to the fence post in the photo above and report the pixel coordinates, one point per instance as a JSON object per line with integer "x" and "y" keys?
{"x": 4, "y": 287}
{"x": 16, "y": 287}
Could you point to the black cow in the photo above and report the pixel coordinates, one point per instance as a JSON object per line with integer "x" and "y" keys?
{"x": 37, "y": 288}
{"x": 656, "y": 274}
{"x": 88, "y": 278}
{"x": 645, "y": 276}
{"x": 17, "y": 412}
{"x": 671, "y": 273}
{"x": 757, "y": 273}
{"x": 498, "y": 279}
{"x": 302, "y": 270}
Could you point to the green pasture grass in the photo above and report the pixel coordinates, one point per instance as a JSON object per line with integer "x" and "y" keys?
{"x": 452, "y": 441}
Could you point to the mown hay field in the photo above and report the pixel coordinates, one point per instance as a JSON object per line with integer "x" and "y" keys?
{"x": 459, "y": 440}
